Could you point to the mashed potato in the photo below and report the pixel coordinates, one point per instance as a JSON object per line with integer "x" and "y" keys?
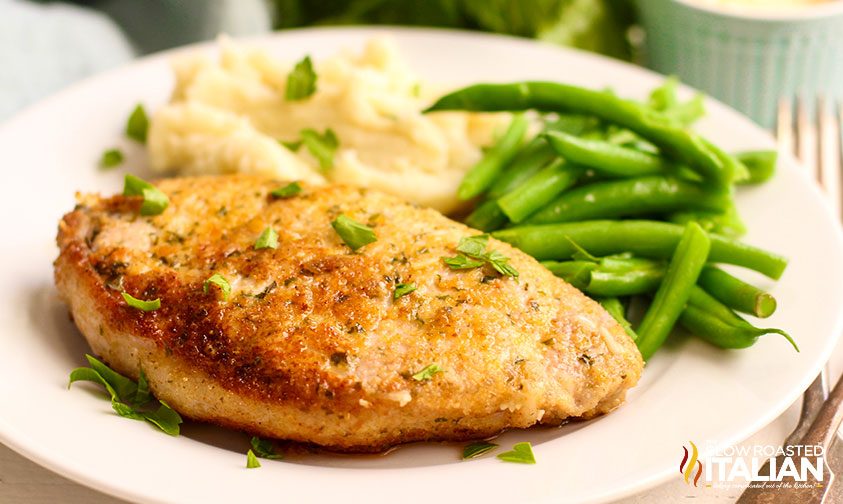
{"x": 230, "y": 114}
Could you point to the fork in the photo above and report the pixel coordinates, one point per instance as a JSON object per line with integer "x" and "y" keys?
{"x": 817, "y": 145}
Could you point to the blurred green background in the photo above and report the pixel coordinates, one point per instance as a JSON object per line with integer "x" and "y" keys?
{"x": 595, "y": 25}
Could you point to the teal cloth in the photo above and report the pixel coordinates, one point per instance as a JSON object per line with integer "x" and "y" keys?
{"x": 47, "y": 46}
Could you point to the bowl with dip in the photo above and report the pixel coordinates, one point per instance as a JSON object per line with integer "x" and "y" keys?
{"x": 748, "y": 53}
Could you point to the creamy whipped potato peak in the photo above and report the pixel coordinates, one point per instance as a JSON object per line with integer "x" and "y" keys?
{"x": 229, "y": 115}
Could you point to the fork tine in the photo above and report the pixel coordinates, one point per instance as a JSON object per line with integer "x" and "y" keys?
{"x": 829, "y": 153}
{"x": 806, "y": 138}
{"x": 784, "y": 126}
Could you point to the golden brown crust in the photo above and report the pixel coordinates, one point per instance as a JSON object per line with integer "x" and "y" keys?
{"x": 311, "y": 346}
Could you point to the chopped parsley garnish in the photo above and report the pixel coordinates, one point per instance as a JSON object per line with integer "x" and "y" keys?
{"x": 129, "y": 399}
{"x": 321, "y": 145}
{"x": 474, "y": 450}
{"x": 473, "y": 253}
{"x": 264, "y": 449}
{"x": 288, "y": 191}
{"x": 220, "y": 282}
{"x": 267, "y": 239}
{"x": 138, "y": 124}
{"x": 354, "y": 234}
{"x": 140, "y": 304}
{"x": 462, "y": 262}
{"x": 521, "y": 453}
{"x": 111, "y": 159}
{"x": 154, "y": 201}
{"x": 301, "y": 82}
{"x": 251, "y": 460}
{"x": 427, "y": 373}
{"x": 294, "y": 145}
{"x": 403, "y": 289}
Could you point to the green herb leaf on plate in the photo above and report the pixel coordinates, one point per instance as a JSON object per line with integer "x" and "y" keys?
{"x": 126, "y": 411}
{"x": 264, "y": 448}
{"x": 165, "y": 418}
{"x": 288, "y": 191}
{"x": 124, "y": 388}
{"x": 427, "y": 373}
{"x": 140, "y": 304}
{"x": 142, "y": 395}
{"x": 111, "y": 159}
{"x": 154, "y": 200}
{"x": 138, "y": 124}
{"x": 353, "y": 233}
{"x": 321, "y": 145}
{"x": 129, "y": 399}
{"x": 474, "y": 450}
{"x": 88, "y": 374}
{"x": 403, "y": 289}
{"x": 252, "y": 460}
{"x": 301, "y": 83}
{"x": 521, "y": 453}
{"x": 267, "y": 239}
{"x": 219, "y": 281}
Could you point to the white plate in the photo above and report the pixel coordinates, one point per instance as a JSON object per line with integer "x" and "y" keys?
{"x": 690, "y": 391}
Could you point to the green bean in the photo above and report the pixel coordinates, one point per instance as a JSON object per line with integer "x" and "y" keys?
{"x": 626, "y": 197}
{"x": 624, "y": 283}
{"x": 539, "y": 190}
{"x": 535, "y": 156}
{"x": 481, "y": 175}
{"x": 734, "y": 166}
{"x": 643, "y": 238}
{"x": 707, "y": 318}
{"x": 614, "y": 307}
{"x": 761, "y": 165}
{"x": 626, "y": 262}
{"x": 688, "y": 112}
{"x": 737, "y": 294}
{"x": 487, "y": 217}
{"x": 664, "y": 97}
{"x": 605, "y": 157}
{"x": 576, "y": 273}
{"x": 673, "y": 293}
{"x": 726, "y": 223}
{"x": 677, "y": 142}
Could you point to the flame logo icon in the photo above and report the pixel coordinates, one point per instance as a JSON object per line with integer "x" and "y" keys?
{"x": 686, "y": 467}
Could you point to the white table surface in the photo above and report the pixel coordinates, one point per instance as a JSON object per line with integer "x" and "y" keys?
{"x": 23, "y": 481}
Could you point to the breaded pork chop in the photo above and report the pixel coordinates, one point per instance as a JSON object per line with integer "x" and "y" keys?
{"x": 311, "y": 345}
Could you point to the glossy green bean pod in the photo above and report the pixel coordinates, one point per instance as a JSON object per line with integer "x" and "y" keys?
{"x": 535, "y": 156}
{"x": 707, "y": 318}
{"x": 681, "y": 276}
{"x": 627, "y": 197}
{"x": 539, "y": 190}
{"x": 606, "y": 157}
{"x": 481, "y": 175}
{"x": 677, "y": 142}
{"x": 488, "y": 216}
{"x": 761, "y": 165}
{"x": 615, "y": 308}
{"x": 641, "y": 237}
{"x": 737, "y": 294}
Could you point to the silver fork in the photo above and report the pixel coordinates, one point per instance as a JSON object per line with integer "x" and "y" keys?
{"x": 816, "y": 143}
